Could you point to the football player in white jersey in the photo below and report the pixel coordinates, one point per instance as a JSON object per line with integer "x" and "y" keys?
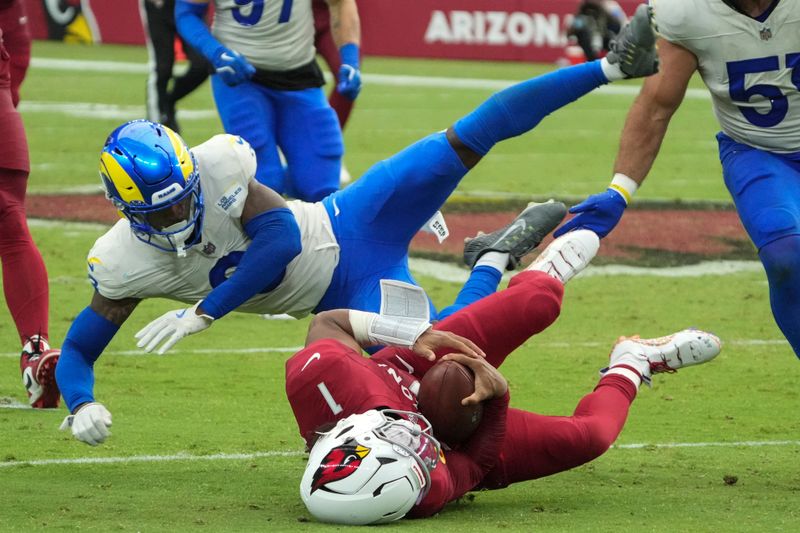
{"x": 748, "y": 54}
{"x": 268, "y": 87}
{"x": 198, "y": 227}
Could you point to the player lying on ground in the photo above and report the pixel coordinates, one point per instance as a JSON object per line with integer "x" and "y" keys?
{"x": 748, "y": 54}
{"x": 381, "y": 462}
{"x": 191, "y": 217}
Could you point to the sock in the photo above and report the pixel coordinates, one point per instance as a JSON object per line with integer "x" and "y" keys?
{"x": 519, "y": 108}
{"x": 496, "y": 260}
{"x": 612, "y": 72}
{"x": 483, "y": 281}
{"x": 627, "y": 372}
{"x": 781, "y": 260}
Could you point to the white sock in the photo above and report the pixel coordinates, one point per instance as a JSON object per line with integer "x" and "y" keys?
{"x": 496, "y": 260}
{"x": 612, "y": 72}
{"x": 627, "y": 373}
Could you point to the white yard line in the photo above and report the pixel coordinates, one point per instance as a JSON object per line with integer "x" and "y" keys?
{"x": 435, "y": 82}
{"x": 293, "y": 349}
{"x": 297, "y": 453}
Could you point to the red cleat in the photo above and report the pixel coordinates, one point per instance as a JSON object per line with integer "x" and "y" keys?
{"x": 38, "y": 366}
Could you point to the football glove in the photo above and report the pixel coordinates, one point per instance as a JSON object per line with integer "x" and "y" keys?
{"x": 349, "y": 81}
{"x": 232, "y": 66}
{"x": 598, "y": 213}
{"x": 89, "y": 424}
{"x": 172, "y": 326}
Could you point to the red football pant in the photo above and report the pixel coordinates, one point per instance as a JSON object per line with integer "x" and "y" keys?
{"x": 537, "y": 445}
{"x": 24, "y": 275}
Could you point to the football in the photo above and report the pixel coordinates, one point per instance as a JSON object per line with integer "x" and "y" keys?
{"x": 439, "y": 400}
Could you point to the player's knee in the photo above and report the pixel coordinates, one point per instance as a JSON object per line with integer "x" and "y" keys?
{"x": 468, "y": 157}
{"x": 781, "y": 259}
{"x": 544, "y": 292}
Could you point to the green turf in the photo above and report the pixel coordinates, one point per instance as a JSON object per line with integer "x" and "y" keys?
{"x": 570, "y": 154}
{"x": 202, "y": 403}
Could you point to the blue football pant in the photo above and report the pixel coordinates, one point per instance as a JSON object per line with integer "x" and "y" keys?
{"x": 375, "y": 218}
{"x": 766, "y": 190}
{"x": 300, "y": 123}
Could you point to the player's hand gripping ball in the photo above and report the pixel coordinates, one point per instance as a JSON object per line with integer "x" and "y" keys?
{"x": 441, "y": 391}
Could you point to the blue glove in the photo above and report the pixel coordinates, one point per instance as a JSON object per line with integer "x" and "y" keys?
{"x": 349, "y": 83}
{"x": 231, "y": 66}
{"x": 598, "y": 213}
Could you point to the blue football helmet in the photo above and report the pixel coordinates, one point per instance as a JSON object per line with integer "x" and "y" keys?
{"x": 147, "y": 169}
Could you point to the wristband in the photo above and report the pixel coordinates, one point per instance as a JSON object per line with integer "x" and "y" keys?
{"x": 370, "y": 329}
{"x": 625, "y": 186}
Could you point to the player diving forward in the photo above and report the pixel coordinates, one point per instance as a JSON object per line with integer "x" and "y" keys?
{"x": 380, "y": 461}
{"x": 748, "y": 54}
{"x": 191, "y": 217}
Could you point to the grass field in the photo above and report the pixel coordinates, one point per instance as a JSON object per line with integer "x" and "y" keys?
{"x": 204, "y": 438}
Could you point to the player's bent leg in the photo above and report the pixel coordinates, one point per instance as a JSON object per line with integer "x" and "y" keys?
{"x": 536, "y": 445}
{"x": 246, "y": 111}
{"x": 781, "y": 260}
{"x": 503, "y": 321}
{"x": 310, "y": 137}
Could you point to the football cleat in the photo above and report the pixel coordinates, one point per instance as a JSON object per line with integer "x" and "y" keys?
{"x": 634, "y": 49}
{"x": 520, "y": 237}
{"x": 568, "y": 255}
{"x": 38, "y": 366}
{"x": 688, "y": 347}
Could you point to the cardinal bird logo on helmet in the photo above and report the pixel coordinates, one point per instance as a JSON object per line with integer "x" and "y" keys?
{"x": 339, "y": 463}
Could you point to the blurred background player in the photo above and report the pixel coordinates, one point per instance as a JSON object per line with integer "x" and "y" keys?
{"x": 158, "y": 22}
{"x": 326, "y": 47}
{"x": 17, "y": 38}
{"x": 268, "y": 87}
{"x": 748, "y": 54}
{"x": 595, "y": 25}
{"x": 25, "y": 283}
{"x": 374, "y": 459}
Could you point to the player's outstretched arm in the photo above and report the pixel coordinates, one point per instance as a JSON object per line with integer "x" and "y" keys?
{"x": 346, "y": 30}
{"x": 275, "y": 241}
{"x": 88, "y": 336}
{"x": 644, "y": 130}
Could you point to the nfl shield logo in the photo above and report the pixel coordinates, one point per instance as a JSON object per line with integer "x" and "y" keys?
{"x": 209, "y": 248}
{"x": 765, "y": 33}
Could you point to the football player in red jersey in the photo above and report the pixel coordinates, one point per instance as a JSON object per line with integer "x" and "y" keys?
{"x": 24, "y": 275}
{"x": 374, "y": 458}
{"x": 17, "y": 37}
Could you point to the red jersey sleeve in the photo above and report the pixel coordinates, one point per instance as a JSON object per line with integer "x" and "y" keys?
{"x": 463, "y": 469}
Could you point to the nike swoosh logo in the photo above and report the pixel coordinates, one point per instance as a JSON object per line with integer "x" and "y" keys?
{"x": 28, "y": 378}
{"x": 180, "y": 315}
{"x": 518, "y": 225}
{"x": 312, "y": 358}
{"x": 335, "y": 209}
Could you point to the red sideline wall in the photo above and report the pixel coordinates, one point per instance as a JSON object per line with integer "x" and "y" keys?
{"x": 511, "y": 30}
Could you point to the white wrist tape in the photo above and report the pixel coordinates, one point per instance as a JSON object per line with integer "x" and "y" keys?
{"x": 371, "y": 329}
{"x": 624, "y": 185}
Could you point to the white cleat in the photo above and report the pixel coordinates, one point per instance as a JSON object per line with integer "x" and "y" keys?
{"x": 688, "y": 347}
{"x": 568, "y": 255}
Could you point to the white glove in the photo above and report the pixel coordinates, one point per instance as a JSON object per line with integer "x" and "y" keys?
{"x": 175, "y": 325}
{"x": 89, "y": 424}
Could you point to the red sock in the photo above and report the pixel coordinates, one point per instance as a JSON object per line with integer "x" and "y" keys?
{"x": 24, "y": 275}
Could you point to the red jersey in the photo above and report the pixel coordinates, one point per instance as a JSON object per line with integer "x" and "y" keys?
{"x": 328, "y": 381}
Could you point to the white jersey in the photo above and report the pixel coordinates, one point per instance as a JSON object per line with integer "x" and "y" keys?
{"x": 752, "y": 68}
{"x": 122, "y": 266}
{"x": 272, "y": 35}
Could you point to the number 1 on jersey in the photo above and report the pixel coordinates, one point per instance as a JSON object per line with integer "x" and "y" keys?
{"x": 335, "y": 407}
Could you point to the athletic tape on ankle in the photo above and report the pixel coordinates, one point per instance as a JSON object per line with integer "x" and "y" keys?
{"x": 371, "y": 329}
{"x": 624, "y": 185}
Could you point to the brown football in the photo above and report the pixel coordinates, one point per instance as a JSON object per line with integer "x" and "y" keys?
{"x": 439, "y": 400}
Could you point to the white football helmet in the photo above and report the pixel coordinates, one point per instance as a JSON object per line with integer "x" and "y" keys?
{"x": 370, "y": 468}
